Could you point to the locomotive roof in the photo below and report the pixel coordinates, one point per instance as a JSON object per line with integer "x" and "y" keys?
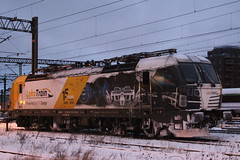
{"x": 169, "y": 60}
{"x": 143, "y": 64}
{"x": 77, "y": 71}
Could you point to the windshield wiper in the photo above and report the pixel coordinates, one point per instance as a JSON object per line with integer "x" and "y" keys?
{"x": 209, "y": 78}
{"x": 206, "y": 75}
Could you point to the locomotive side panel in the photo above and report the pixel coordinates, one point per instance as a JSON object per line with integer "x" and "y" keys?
{"x": 116, "y": 90}
{"x": 42, "y": 94}
{"x": 61, "y": 93}
{"x": 71, "y": 92}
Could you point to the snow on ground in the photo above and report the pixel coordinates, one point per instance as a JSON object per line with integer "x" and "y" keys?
{"x": 19, "y": 144}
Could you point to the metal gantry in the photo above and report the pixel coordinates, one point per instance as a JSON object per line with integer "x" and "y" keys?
{"x": 21, "y": 61}
{"x": 40, "y": 61}
{"x": 15, "y": 24}
{"x": 21, "y": 25}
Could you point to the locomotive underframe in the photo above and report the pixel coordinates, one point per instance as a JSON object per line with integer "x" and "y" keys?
{"x": 151, "y": 122}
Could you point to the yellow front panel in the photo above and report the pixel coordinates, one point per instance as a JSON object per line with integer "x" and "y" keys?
{"x": 71, "y": 92}
{"x": 14, "y": 93}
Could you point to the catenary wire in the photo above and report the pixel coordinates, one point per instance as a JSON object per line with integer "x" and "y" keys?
{"x": 133, "y": 26}
{"x": 22, "y": 7}
{"x": 80, "y": 12}
{"x": 148, "y": 44}
{"x": 202, "y": 10}
{"x": 160, "y": 42}
{"x": 111, "y": 32}
{"x": 162, "y": 30}
{"x": 66, "y": 24}
{"x": 141, "y": 24}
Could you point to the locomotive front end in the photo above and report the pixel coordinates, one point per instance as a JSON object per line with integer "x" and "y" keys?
{"x": 188, "y": 90}
{"x": 199, "y": 97}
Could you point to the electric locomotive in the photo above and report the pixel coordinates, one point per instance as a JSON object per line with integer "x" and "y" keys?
{"x": 155, "y": 93}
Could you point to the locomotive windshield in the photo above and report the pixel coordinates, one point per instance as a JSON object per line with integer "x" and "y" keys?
{"x": 198, "y": 73}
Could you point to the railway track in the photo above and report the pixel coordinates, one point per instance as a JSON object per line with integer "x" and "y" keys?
{"x": 232, "y": 127}
{"x": 184, "y": 148}
{"x": 231, "y": 130}
{"x": 125, "y": 143}
{"x": 21, "y": 154}
{"x": 205, "y": 141}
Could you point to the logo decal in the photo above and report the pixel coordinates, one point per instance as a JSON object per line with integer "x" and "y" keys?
{"x": 212, "y": 93}
{"x": 39, "y": 93}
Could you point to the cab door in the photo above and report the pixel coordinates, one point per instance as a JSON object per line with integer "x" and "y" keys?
{"x": 146, "y": 89}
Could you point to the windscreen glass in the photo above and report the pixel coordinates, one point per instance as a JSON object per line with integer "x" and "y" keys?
{"x": 190, "y": 73}
{"x": 198, "y": 73}
{"x": 208, "y": 73}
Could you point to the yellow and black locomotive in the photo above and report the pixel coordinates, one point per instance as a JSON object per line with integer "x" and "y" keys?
{"x": 156, "y": 93}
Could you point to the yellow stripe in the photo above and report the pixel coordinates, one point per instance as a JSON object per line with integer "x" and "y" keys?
{"x": 71, "y": 92}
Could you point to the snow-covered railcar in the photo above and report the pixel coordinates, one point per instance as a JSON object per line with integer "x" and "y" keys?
{"x": 231, "y": 100}
{"x": 148, "y": 93}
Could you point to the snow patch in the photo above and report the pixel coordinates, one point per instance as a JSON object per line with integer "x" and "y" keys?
{"x": 20, "y": 144}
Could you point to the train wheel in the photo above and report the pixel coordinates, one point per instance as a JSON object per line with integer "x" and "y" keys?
{"x": 34, "y": 126}
{"x": 148, "y": 128}
{"x": 105, "y": 126}
{"x": 137, "y": 131}
{"x": 118, "y": 129}
{"x": 164, "y": 132}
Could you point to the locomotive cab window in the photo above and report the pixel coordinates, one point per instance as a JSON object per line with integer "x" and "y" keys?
{"x": 209, "y": 74}
{"x": 166, "y": 78}
{"x": 190, "y": 73}
{"x": 20, "y": 88}
{"x": 195, "y": 73}
{"x": 146, "y": 80}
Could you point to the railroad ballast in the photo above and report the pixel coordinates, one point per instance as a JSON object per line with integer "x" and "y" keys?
{"x": 156, "y": 93}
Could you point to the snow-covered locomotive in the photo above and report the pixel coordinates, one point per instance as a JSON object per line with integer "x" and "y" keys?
{"x": 157, "y": 93}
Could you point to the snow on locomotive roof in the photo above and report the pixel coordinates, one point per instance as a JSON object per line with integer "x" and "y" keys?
{"x": 77, "y": 71}
{"x": 191, "y": 58}
{"x": 169, "y": 60}
{"x": 143, "y": 64}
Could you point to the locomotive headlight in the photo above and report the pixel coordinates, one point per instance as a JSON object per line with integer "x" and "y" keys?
{"x": 227, "y": 115}
{"x": 22, "y": 102}
{"x": 196, "y": 92}
{"x": 183, "y": 101}
{"x": 197, "y": 117}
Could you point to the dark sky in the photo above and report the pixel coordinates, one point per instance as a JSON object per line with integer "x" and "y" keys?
{"x": 98, "y": 29}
